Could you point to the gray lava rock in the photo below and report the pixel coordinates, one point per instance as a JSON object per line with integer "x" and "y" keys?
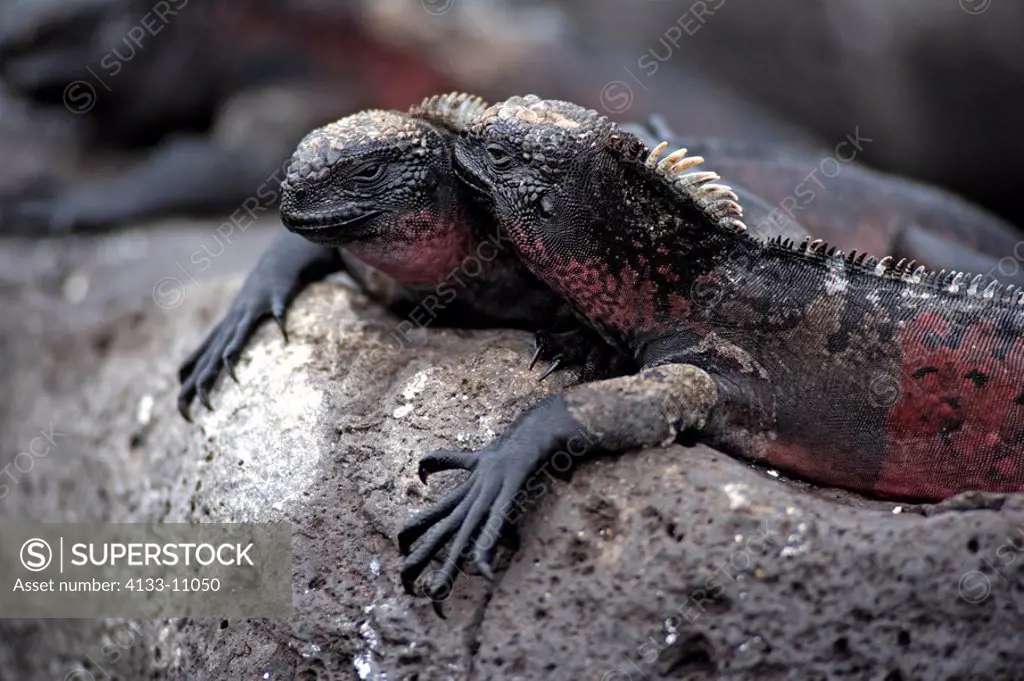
{"x": 668, "y": 563}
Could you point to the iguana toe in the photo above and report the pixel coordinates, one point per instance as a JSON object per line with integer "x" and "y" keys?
{"x": 478, "y": 503}
{"x": 445, "y": 460}
{"x": 419, "y": 525}
{"x": 431, "y": 543}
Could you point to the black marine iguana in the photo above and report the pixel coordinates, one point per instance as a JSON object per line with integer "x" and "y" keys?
{"x": 870, "y": 375}
{"x": 321, "y": 189}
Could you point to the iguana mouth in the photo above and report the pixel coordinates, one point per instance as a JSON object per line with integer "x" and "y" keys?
{"x": 329, "y": 228}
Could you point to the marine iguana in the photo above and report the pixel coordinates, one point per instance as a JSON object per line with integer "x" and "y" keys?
{"x": 494, "y": 299}
{"x": 377, "y": 188}
{"x": 870, "y": 375}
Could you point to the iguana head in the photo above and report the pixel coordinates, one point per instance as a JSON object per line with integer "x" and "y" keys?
{"x": 380, "y": 184}
{"x": 601, "y": 218}
{"x": 531, "y": 160}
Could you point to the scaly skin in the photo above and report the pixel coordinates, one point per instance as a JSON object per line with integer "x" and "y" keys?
{"x": 377, "y": 189}
{"x": 876, "y": 377}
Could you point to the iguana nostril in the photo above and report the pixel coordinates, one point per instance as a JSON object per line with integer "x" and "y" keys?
{"x": 300, "y": 194}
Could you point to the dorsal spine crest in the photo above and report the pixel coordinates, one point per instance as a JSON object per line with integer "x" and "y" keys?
{"x": 717, "y": 201}
{"x": 978, "y": 286}
{"x": 454, "y": 110}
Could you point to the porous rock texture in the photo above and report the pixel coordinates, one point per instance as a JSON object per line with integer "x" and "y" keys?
{"x": 678, "y": 563}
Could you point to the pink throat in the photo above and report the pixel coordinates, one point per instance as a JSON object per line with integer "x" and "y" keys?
{"x": 424, "y": 249}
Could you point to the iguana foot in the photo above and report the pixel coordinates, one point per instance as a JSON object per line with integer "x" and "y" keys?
{"x": 223, "y": 346}
{"x": 581, "y": 350}
{"x": 556, "y": 350}
{"x": 509, "y": 475}
{"x": 289, "y": 264}
{"x": 479, "y": 511}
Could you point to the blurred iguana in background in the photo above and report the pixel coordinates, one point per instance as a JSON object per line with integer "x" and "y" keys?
{"x": 123, "y": 110}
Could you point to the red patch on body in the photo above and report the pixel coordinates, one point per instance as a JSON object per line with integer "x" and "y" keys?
{"x": 623, "y": 300}
{"x": 678, "y": 306}
{"x": 956, "y": 425}
{"x": 811, "y": 464}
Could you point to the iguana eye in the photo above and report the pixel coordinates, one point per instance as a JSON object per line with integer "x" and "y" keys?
{"x": 547, "y": 206}
{"x": 499, "y": 157}
{"x": 369, "y": 173}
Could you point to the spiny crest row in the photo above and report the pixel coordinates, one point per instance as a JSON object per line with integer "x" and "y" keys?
{"x": 718, "y": 201}
{"x": 980, "y": 286}
{"x": 456, "y": 110}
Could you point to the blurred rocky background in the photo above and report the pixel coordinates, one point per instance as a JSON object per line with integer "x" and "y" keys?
{"x": 130, "y": 131}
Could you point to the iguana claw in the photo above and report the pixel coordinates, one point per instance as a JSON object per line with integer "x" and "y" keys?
{"x": 555, "y": 363}
{"x": 538, "y": 348}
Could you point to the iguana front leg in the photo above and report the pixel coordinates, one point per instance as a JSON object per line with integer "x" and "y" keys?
{"x": 289, "y": 264}
{"x": 640, "y": 410}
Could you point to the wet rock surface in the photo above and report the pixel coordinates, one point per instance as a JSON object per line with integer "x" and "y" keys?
{"x": 669, "y": 563}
